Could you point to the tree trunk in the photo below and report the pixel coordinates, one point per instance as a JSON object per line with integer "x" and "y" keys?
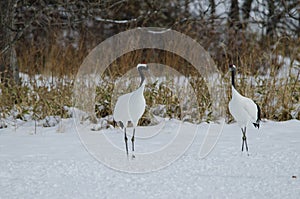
{"x": 271, "y": 23}
{"x": 234, "y": 18}
{"x": 186, "y": 8}
{"x": 9, "y": 66}
{"x": 213, "y": 10}
{"x": 298, "y": 32}
{"x": 246, "y": 9}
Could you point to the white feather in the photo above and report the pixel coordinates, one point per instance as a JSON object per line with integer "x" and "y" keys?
{"x": 121, "y": 110}
{"x": 137, "y": 105}
{"x": 243, "y": 109}
{"x": 131, "y": 107}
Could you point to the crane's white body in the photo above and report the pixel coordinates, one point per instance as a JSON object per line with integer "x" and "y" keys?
{"x": 131, "y": 107}
{"x": 243, "y": 109}
{"x": 137, "y": 105}
{"x": 121, "y": 110}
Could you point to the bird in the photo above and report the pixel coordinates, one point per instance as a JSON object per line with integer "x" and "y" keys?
{"x": 244, "y": 110}
{"x": 131, "y": 106}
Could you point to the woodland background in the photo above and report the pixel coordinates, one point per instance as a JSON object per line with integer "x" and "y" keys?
{"x": 52, "y": 37}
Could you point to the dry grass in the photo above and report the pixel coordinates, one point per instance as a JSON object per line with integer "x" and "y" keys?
{"x": 279, "y": 98}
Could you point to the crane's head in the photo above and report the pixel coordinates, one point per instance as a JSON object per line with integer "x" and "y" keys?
{"x": 142, "y": 66}
{"x": 232, "y": 67}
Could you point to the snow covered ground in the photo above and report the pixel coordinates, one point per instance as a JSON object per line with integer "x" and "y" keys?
{"x": 54, "y": 164}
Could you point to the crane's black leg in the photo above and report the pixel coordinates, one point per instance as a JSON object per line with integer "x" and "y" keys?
{"x": 125, "y": 138}
{"x": 132, "y": 141}
{"x": 244, "y": 140}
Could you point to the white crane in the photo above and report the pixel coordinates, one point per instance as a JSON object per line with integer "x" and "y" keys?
{"x": 244, "y": 110}
{"x": 131, "y": 107}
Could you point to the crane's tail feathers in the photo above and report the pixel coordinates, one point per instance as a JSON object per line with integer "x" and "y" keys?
{"x": 256, "y": 125}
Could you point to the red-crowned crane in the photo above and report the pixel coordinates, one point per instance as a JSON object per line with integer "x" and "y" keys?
{"x": 244, "y": 110}
{"x": 131, "y": 107}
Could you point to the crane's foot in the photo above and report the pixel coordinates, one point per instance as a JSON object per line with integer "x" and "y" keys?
{"x": 246, "y": 147}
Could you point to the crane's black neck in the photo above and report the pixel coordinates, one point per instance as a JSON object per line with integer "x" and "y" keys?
{"x": 142, "y": 76}
{"x": 232, "y": 78}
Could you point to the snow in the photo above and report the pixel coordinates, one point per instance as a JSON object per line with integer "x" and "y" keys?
{"x": 288, "y": 67}
{"x": 40, "y": 80}
{"x": 114, "y": 21}
{"x": 54, "y": 164}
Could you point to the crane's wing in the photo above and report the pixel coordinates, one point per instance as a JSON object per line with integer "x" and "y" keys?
{"x": 252, "y": 109}
{"x": 137, "y": 105}
{"x": 121, "y": 110}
